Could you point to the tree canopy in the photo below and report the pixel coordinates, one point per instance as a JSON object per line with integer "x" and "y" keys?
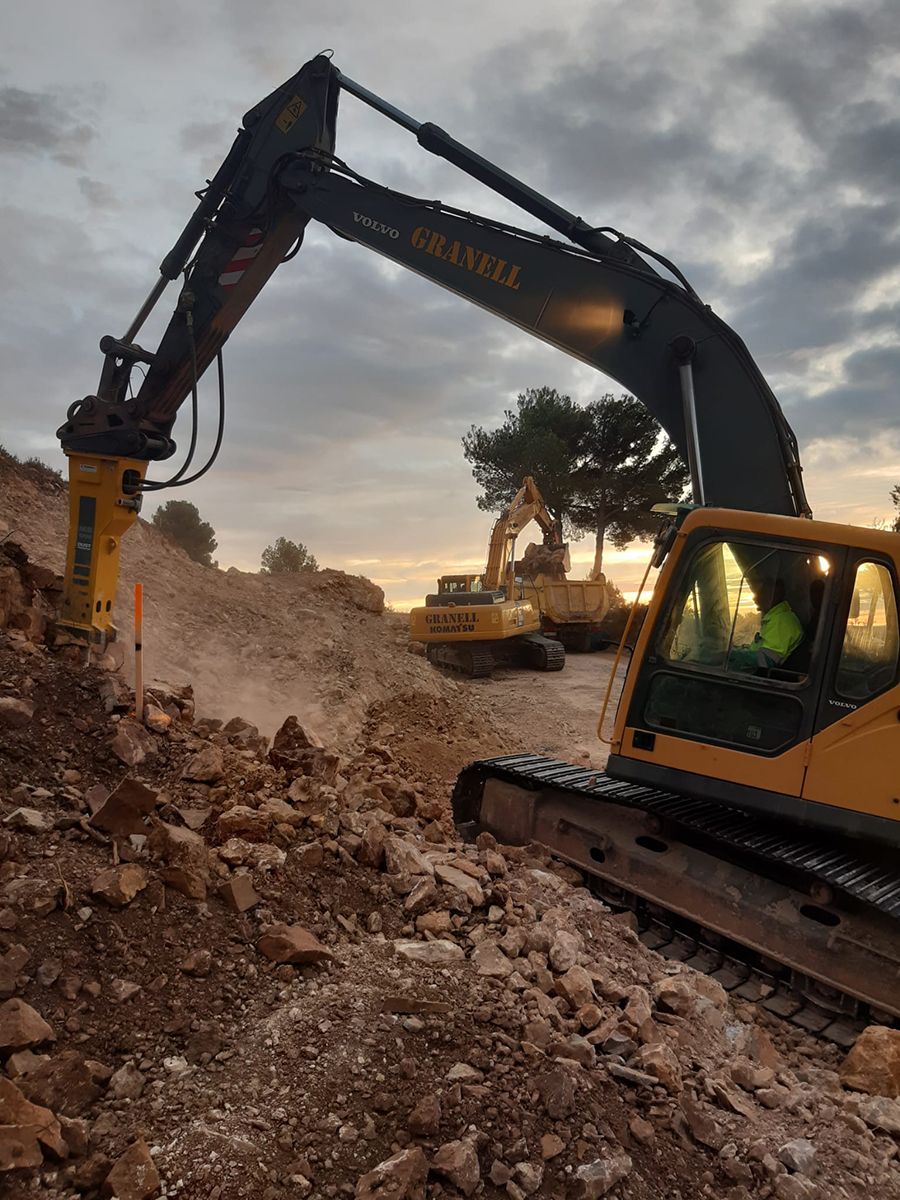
{"x": 180, "y": 521}
{"x": 600, "y": 467}
{"x": 285, "y": 557}
{"x": 628, "y": 467}
{"x": 895, "y": 496}
{"x": 545, "y": 437}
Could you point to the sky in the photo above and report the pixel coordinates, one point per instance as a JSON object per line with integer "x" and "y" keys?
{"x": 757, "y": 146}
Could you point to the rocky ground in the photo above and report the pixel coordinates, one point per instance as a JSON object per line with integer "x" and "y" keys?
{"x": 319, "y": 644}
{"x": 234, "y": 970}
{"x": 231, "y": 967}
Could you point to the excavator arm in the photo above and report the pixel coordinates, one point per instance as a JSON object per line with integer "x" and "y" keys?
{"x": 595, "y": 296}
{"x": 241, "y": 231}
{"x": 650, "y": 334}
{"x": 526, "y": 506}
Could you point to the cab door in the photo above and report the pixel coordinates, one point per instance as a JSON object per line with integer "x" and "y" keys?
{"x": 703, "y": 715}
{"x": 854, "y": 758}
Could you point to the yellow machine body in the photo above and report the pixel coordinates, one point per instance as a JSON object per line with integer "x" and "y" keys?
{"x": 473, "y": 622}
{"x": 814, "y": 739}
{"x": 104, "y": 500}
{"x": 569, "y": 602}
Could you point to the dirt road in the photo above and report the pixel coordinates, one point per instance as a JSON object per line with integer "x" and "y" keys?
{"x": 554, "y": 713}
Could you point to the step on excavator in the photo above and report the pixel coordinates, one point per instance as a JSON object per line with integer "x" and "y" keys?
{"x": 475, "y": 622}
{"x": 751, "y": 801}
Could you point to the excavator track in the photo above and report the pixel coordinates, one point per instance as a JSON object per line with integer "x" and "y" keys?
{"x": 806, "y": 925}
{"x": 542, "y": 653}
{"x": 476, "y": 661}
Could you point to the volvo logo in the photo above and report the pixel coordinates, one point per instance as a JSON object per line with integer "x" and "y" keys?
{"x": 377, "y": 226}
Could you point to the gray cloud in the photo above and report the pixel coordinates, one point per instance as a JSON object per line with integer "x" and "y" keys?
{"x": 767, "y": 172}
{"x": 810, "y": 297}
{"x": 40, "y": 123}
{"x": 97, "y": 193}
{"x": 814, "y": 58}
{"x": 865, "y": 405}
{"x": 207, "y": 136}
{"x": 757, "y": 148}
{"x": 867, "y": 149}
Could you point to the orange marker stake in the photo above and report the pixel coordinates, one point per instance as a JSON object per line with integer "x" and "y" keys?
{"x": 138, "y": 651}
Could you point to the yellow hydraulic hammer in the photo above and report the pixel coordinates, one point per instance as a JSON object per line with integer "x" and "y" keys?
{"x": 104, "y": 501}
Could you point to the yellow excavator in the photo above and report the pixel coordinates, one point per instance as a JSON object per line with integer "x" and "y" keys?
{"x": 503, "y": 615}
{"x": 493, "y": 621}
{"x": 749, "y": 813}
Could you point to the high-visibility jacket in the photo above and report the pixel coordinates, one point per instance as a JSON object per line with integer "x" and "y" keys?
{"x": 780, "y": 631}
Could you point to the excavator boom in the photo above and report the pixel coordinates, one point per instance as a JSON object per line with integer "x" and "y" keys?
{"x": 624, "y": 320}
{"x": 595, "y": 297}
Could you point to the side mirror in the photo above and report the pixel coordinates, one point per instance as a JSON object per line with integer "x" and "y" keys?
{"x": 662, "y": 544}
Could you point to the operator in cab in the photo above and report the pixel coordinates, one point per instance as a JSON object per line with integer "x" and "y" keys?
{"x": 780, "y": 630}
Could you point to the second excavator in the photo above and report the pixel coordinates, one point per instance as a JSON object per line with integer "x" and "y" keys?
{"x": 474, "y": 622}
{"x": 493, "y": 621}
{"x": 751, "y": 800}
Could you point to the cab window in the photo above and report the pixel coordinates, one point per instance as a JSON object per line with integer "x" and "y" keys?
{"x": 459, "y": 583}
{"x": 871, "y": 646}
{"x": 747, "y": 609}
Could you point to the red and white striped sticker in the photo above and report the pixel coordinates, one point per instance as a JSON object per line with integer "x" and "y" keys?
{"x": 243, "y": 257}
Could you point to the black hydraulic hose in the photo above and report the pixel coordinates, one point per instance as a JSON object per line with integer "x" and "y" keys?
{"x": 152, "y": 486}
{"x": 292, "y": 253}
{"x": 219, "y": 435}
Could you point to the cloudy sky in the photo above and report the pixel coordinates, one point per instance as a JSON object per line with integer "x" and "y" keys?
{"x": 756, "y": 145}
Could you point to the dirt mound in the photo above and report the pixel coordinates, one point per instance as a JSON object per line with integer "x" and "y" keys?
{"x": 319, "y": 644}
{"x": 229, "y": 970}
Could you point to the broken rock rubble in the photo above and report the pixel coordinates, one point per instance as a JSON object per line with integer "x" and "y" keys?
{"x": 118, "y": 886}
{"x": 873, "y": 1064}
{"x": 469, "y": 1018}
{"x": 400, "y": 1177}
{"x": 26, "y": 1130}
{"x": 134, "y": 1176}
{"x": 21, "y": 1027}
{"x": 292, "y": 944}
{"x": 458, "y": 1161}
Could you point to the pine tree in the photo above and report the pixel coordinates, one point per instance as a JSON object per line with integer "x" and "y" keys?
{"x": 545, "y": 437}
{"x": 180, "y": 521}
{"x": 287, "y": 558}
{"x": 600, "y": 468}
{"x": 629, "y": 466}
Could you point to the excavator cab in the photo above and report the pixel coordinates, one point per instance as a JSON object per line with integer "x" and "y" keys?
{"x": 748, "y": 812}
{"x": 450, "y": 584}
{"x": 768, "y": 661}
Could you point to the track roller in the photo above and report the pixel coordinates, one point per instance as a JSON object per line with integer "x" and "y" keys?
{"x": 542, "y": 653}
{"x": 476, "y": 661}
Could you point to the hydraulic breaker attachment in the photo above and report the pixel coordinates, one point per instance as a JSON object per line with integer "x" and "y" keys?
{"x": 104, "y": 501}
